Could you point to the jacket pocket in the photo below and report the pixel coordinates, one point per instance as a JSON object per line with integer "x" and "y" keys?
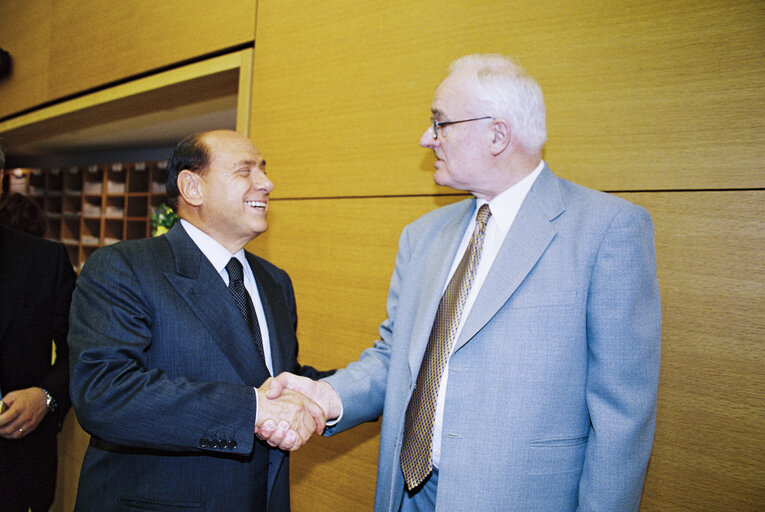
{"x": 547, "y": 456}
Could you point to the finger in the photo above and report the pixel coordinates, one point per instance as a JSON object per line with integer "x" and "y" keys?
{"x": 296, "y": 437}
{"x": 277, "y": 438}
{"x": 290, "y": 442}
{"x": 312, "y": 420}
{"x": 317, "y": 415}
{"x": 307, "y": 416}
{"x": 304, "y": 427}
{"x": 10, "y": 426}
{"x": 274, "y": 389}
{"x": 15, "y": 433}
{"x": 277, "y": 385}
{"x": 266, "y": 430}
{"x": 9, "y": 416}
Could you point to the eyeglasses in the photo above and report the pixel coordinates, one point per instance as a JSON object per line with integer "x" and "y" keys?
{"x": 436, "y": 124}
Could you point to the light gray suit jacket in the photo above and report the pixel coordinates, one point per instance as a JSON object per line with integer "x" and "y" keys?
{"x": 551, "y": 398}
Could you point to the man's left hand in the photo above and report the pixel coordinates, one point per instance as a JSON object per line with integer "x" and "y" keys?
{"x": 26, "y": 409}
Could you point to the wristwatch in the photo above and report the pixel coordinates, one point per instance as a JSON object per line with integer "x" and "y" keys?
{"x": 50, "y": 402}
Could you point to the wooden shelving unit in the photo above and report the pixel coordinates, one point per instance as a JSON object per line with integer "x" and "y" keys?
{"x": 89, "y": 207}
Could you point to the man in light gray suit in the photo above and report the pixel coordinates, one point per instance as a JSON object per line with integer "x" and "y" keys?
{"x": 545, "y": 395}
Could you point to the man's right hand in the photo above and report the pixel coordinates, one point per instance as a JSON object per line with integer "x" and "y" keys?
{"x": 317, "y": 390}
{"x": 289, "y": 420}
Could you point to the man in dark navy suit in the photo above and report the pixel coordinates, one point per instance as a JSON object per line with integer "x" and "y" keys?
{"x": 165, "y": 366}
{"x": 36, "y": 282}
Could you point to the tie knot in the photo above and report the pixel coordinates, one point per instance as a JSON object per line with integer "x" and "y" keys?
{"x": 234, "y": 269}
{"x": 483, "y": 214}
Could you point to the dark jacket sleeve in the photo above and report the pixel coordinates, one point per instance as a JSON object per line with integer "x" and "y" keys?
{"x": 57, "y": 381}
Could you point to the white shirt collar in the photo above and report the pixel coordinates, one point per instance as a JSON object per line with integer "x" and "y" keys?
{"x": 505, "y": 206}
{"x": 211, "y": 248}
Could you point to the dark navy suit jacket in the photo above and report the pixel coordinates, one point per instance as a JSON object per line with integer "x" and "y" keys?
{"x": 163, "y": 368}
{"x": 36, "y": 282}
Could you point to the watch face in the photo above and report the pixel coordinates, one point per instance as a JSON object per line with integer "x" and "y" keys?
{"x": 50, "y": 403}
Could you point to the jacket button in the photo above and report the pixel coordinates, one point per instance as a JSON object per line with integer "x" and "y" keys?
{"x": 232, "y": 444}
{"x": 204, "y": 443}
{"x": 214, "y": 444}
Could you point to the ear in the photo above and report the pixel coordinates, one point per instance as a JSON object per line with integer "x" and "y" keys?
{"x": 501, "y": 136}
{"x": 189, "y": 186}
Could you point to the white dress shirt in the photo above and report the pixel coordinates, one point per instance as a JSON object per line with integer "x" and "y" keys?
{"x": 504, "y": 208}
{"x": 219, "y": 257}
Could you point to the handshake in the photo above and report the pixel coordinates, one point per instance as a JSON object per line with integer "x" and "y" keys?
{"x": 292, "y": 408}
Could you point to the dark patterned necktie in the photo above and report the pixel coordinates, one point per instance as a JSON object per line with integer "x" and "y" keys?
{"x": 417, "y": 447}
{"x": 243, "y": 301}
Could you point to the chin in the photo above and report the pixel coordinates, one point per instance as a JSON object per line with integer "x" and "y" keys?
{"x": 259, "y": 230}
{"x": 444, "y": 181}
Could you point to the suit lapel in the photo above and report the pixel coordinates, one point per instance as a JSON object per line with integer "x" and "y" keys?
{"x": 438, "y": 257}
{"x": 526, "y": 241}
{"x": 200, "y": 286}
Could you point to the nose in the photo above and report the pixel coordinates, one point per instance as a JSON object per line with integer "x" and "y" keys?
{"x": 262, "y": 183}
{"x": 427, "y": 140}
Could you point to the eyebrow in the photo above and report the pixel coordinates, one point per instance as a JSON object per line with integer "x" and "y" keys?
{"x": 252, "y": 163}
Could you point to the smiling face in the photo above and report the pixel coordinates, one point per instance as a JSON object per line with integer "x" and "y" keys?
{"x": 233, "y": 190}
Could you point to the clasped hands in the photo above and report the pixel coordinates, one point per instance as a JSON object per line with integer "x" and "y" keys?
{"x": 291, "y": 409}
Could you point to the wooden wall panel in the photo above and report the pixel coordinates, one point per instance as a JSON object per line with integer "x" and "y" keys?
{"x": 337, "y": 473}
{"x": 25, "y": 33}
{"x": 66, "y": 47}
{"x": 641, "y": 95}
{"x": 72, "y": 443}
{"x": 709, "y": 452}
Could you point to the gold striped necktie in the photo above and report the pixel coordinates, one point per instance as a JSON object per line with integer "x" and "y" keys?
{"x": 416, "y": 451}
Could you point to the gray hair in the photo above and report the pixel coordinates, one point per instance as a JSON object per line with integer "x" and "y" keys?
{"x": 511, "y": 94}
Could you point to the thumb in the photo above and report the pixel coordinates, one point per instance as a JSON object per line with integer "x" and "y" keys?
{"x": 275, "y": 386}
